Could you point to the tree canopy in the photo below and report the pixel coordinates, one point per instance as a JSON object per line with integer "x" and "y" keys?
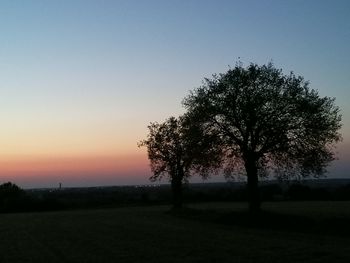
{"x": 178, "y": 149}
{"x": 267, "y": 121}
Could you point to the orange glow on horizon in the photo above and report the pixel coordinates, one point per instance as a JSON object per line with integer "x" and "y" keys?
{"x": 77, "y": 164}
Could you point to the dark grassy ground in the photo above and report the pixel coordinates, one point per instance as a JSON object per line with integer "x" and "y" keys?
{"x": 221, "y": 232}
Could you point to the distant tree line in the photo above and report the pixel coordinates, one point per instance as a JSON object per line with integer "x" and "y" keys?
{"x": 14, "y": 199}
{"x": 254, "y": 121}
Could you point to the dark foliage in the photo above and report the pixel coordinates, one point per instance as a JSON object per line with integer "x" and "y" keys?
{"x": 12, "y": 198}
{"x": 267, "y": 122}
{"x": 178, "y": 149}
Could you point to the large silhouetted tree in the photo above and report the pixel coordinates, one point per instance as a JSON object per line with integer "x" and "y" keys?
{"x": 178, "y": 149}
{"x": 267, "y": 122}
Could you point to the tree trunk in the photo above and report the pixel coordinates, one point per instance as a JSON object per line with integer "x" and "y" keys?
{"x": 176, "y": 187}
{"x": 253, "y": 187}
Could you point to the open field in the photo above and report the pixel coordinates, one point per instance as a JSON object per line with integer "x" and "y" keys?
{"x": 211, "y": 232}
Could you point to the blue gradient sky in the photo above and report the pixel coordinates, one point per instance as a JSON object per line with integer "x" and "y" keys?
{"x": 81, "y": 80}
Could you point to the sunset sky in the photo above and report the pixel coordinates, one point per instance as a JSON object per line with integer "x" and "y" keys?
{"x": 81, "y": 80}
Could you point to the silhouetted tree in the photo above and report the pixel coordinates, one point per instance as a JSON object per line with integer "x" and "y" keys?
{"x": 178, "y": 149}
{"x": 9, "y": 190}
{"x": 11, "y": 197}
{"x": 267, "y": 121}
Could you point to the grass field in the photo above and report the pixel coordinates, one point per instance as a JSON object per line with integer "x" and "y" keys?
{"x": 212, "y": 232}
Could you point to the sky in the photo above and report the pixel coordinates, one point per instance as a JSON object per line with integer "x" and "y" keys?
{"x": 81, "y": 80}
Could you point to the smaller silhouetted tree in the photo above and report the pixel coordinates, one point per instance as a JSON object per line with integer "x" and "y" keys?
{"x": 178, "y": 149}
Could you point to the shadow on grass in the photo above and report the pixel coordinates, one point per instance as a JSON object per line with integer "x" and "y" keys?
{"x": 267, "y": 220}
